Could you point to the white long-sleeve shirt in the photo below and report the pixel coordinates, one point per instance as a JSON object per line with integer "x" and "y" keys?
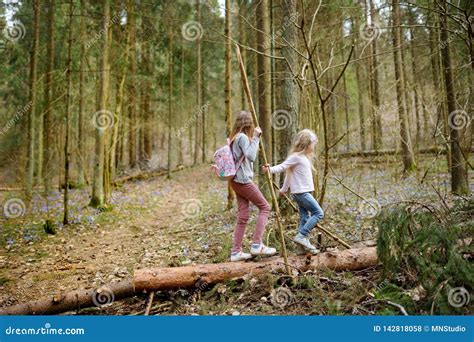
{"x": 298, "y": 176}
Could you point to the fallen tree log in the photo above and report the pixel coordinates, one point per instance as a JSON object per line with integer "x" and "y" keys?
{"x": 168, "y": 278}
{"x": 387, "y": 152}
{"x": 146, "y": 175}
{"x": 175, "y": 277}
{"x": 74, "y": 300}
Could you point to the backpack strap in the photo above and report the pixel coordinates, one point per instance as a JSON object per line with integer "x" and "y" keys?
{"x": 242, "y": 158}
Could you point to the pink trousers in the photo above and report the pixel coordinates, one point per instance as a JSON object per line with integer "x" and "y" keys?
{"x": 245, "y": 194}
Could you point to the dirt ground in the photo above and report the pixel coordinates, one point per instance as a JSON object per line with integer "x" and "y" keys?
{"x": 181, "y": 221}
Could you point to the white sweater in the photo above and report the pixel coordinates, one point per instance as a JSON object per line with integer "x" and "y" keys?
{"x": 298, "y": 176}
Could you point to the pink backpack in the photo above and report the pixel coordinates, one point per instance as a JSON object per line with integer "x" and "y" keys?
{"x": 225, "y": 166}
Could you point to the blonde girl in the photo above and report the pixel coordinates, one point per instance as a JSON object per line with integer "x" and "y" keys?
{"x": 299, "y": 178}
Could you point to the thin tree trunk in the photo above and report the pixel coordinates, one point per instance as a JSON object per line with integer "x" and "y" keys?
{"x": 290, "y": 92}
{"x": 32, "y": 113}
{"x": 107, "y": 140}
{"x": 344, "y": 89}
{"x": 48, "y": 92}
{"x": 118, "y": 108}
{"x": 438, "y": 88}
{"x": 199, "y": 121}
{"x": 39, "y": 136}
{"x": 243, "y": 40}
{"x": 360, "y": 98}
{"x": 147, "y": 121}
{"x": 375, "y": 88}
{"x": 68, "y": 115}
{"x": 264, "y": 80}
{"x": 406, "y": 88}
{"x": 414, "y": 67}
{"x": 227, "y": 90}
{"x": 98, "y": 196}
{"x": 81, "y": 136}
{"x": 407, "y": 152}
{"x": 272, "y": 81}
{"x": 203, "y": 109}
{"x": 170, "y": 99}
{"x": 459, "y": 181}
{"x": 132, "y": 115}
{"x": 181, "y": 114}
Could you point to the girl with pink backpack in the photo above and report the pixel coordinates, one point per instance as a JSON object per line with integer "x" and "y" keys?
{"x": 243, "y": 145}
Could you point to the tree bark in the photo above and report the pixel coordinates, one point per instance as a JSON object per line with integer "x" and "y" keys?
{"x": 81, "y": 158}
{"x": 170, "y": 98}
{"x": 227, "y": 90}
{"x": 48, "y": 100}
{"x": 68, "y": 116}
{"x": 119, "y": 115}
{"x": 199, "y": 121}
{"x": 290, "y": 93}
{"x": 73, "y": 300}
{"x": 414, "y": 67}
{"x": 98, "y": 196}
{"x": 459, "y": 181}
{"x": 32, "y": 113}
{"x": 132, "y": 115}
{"x": 437, "y": 84}
{"x": 407, "y": 152}
{"x": 360, "y": 98}
{"x": 288, "y": 107}
{"x": 181, "y": 112}
{"x": 243, "y": 40}
{"x": 264, "y": 81}
{"x": 177, "y": 277}
{"x": 147, "y": 113}
{"x": 168, "y": 278}
{"x": 375, "y": 88}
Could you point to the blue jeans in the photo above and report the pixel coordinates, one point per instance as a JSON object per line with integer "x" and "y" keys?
{"x": 310, "y": 212}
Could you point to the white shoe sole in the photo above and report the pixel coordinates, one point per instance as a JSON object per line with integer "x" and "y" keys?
{"x": 303, "y": 245}
{"x": 241, "y": 259}
{"x": 264, "y": 255}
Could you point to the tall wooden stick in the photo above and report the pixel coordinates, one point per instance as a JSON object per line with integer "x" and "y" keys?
{"x": 245, "y": 81}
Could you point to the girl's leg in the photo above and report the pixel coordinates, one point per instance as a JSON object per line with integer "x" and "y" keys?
{"x": 243, "y": 214}
{"x": 310, "y": 204}
{"x": 304, "y": 214}
{"x": 264, "y": 208}
{"x": 251, "y": 192}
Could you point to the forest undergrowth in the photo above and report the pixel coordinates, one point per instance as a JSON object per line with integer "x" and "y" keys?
{"x": 182, "y": 221}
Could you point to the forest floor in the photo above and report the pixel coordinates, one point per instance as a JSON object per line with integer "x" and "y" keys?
{"x": 181, "y": 221}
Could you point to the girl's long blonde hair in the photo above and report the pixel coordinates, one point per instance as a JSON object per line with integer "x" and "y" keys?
{"x": 302, "y": 141}
{"x": 243, "y": 124}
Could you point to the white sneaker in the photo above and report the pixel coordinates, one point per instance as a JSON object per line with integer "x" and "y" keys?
{"x": 262, "y": 250}
{"x": 304, "y": 241}
{"x": 240, "y": 256}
